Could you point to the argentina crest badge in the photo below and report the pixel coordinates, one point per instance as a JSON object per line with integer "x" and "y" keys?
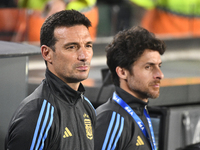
{"x": 88, "y": 127}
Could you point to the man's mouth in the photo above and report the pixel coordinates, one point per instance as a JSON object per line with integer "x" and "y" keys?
{"x": 82, "y": 68}
{"x": 155, "y": 84}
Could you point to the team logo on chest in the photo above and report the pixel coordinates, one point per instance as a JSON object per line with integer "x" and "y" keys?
{"x": 88, "y": 127}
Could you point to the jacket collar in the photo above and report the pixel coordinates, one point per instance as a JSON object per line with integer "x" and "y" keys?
{"x": 61, "y": 90}
{"x": 132, "y": 101}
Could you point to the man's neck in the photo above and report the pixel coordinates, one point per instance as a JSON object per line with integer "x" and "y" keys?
{"x": 135, "y": 94}
{"x": 74, "y": 86}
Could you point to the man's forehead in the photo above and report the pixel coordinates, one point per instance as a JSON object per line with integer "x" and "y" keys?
{"x": 73, "y": 34}
{"x": 150, "y": 56}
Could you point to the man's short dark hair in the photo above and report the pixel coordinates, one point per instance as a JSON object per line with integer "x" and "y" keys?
{"x": 127, "y": 46}
{"x": 65, "y": 18}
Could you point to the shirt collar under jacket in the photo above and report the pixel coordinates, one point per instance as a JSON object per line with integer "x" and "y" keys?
{"x": 61, "y": 90}
{"x": 132, "y": 101}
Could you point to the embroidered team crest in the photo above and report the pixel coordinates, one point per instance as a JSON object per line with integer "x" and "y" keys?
{"x": 88, "y": 127}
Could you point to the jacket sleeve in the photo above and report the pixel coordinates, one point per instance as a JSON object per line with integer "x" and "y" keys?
{"x": 30, "y": 125}
{"x": 108, "y": 130}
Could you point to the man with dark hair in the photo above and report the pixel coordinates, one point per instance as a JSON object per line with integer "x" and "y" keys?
{"x": 57, "y": 116}
{"x": 123, "y": 122}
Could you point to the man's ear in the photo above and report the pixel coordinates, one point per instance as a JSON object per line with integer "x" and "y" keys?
{"x": 46, "y": 53}
{"x": 121, "y": 72}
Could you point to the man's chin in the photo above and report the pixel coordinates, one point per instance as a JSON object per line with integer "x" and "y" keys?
{"x": 76, "y": 80}
{"x": 154, "y": 95}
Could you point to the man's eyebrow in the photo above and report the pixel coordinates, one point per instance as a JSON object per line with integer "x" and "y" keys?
{"x": 89, "y": 42}
{"x": 71, "y": 43}
{"x": 76, "y": 43}
{"x": 151, "y": 63}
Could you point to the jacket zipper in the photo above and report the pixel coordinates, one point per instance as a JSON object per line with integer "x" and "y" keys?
{"x": 145, "y": 107}
{"x": 82, "y": 97}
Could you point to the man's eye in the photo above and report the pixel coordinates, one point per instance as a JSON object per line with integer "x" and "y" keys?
{"x": 71, "y": 47}
{"x": 89, "y": 46}
{"x": 147, "y": 67}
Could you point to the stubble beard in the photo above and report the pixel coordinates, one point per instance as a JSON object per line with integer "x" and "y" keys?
{"x": 153, "y": 95}
{"x": 145, "y": 93}
{"x": 155, "y": 90}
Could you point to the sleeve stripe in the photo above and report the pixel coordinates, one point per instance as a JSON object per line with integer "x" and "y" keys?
{"x": 43, "y": 126}
{"x": 38, "y": 124}
{"x": 119, "y": 133}
{"x": 114, "y": 131}
{"x": 49, "y": 125}
{"x": 42, "y": 123}
{"x": 109, "y": 130}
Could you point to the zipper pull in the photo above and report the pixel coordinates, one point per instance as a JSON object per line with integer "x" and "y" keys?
{"x": 82, "y": 97}
{"x": 145, "y": 107}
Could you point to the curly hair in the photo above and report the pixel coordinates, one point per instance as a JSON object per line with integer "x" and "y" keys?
{"x": 127, "y": 46}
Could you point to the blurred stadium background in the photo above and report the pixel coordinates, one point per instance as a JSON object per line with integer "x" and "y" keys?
{"x": 181, "y": 62}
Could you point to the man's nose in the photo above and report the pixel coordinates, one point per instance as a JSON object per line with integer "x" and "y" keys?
{"x": 158, "y": 74}
{"x": 82, "y": 54}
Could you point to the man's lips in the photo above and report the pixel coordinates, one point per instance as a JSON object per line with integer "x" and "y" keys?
{"x": 82, "y": 68}
{"x": 155, "y": 84}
